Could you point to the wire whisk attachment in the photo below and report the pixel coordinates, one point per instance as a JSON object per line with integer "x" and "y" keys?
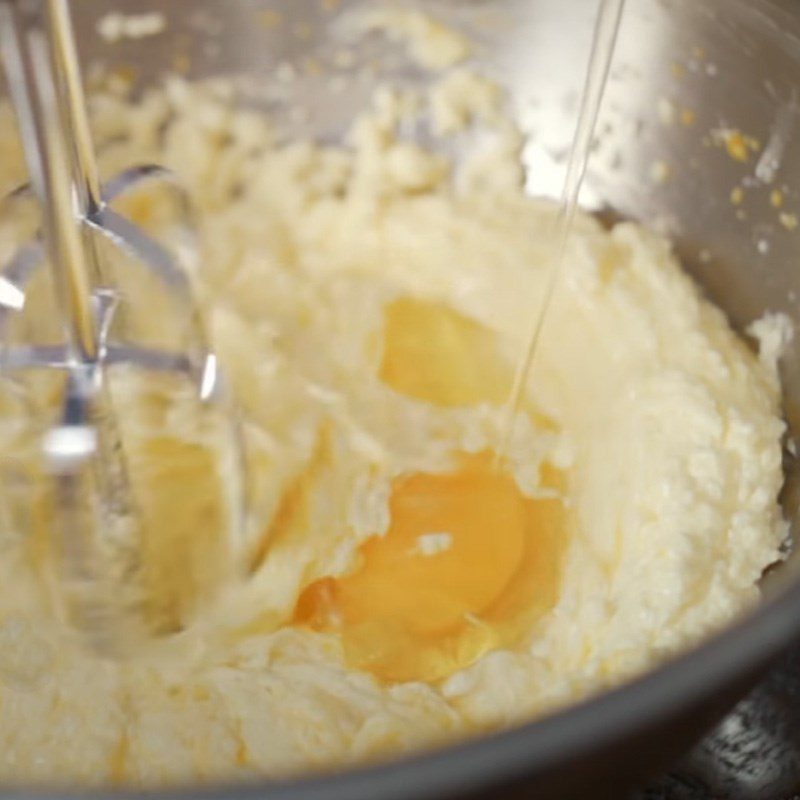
{"x": 140, "y": 462}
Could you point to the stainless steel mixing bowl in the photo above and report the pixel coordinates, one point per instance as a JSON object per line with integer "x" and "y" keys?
{"x": 687, "y": 74}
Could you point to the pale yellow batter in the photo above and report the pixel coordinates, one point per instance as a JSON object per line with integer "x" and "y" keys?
{"x": 650, "y": 428}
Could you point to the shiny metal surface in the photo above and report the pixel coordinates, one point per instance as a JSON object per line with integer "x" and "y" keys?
{"x": 687, "y": 74}
{"x": 97, "y": 527}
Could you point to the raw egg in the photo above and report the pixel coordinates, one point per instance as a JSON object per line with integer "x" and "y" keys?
{"x": 467, "y": 565}
{"x": 435, "y": 354}
{"x": 468, "y": 562}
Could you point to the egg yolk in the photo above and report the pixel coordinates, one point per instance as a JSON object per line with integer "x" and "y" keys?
{"x": 467, "y": 564}
{"x": 433, "y": 353}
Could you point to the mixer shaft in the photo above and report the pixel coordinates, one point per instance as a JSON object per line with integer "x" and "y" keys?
{"x": 99, "y": 536}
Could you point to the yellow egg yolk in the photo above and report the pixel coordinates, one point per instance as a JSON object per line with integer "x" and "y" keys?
{"x": 467, "y": 564}
{"x": 433, "y": 353}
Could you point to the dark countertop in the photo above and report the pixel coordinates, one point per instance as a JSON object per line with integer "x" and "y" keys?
{"x": 753, "y": 755}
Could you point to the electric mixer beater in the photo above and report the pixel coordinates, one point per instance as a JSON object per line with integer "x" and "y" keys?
{"x": 126, "y": 563}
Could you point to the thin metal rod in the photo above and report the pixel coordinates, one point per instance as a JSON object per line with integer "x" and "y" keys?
{"x": 65, "y": 240}
{"x": 17, "y": 69}
{"x": 67, "y": 65}
{"x": 32, "y": 84}
{"x": 102, "y": 585}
